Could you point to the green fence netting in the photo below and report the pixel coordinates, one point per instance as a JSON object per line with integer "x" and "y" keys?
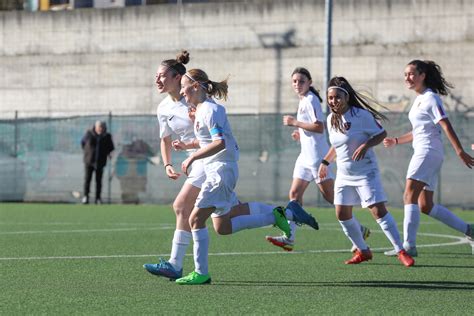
{"x": 41, "y": 160}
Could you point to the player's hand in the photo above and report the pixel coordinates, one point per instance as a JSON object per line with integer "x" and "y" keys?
{"x": 323, "y": 171}
{"x": 389, "y": 142}
{"x": 192, "y": 112}
{"x": 359, "y": 153}
{"x": 171, "y": 173}
{"x": 185, "y": 166}
{"x": 466, "y": 159}
{"x": 178, "y": 145}
{"x": 295, "y": 135}
{"x": 288, "y": 120}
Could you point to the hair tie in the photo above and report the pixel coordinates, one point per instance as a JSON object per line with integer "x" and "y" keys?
{"x": 194, "y": 80}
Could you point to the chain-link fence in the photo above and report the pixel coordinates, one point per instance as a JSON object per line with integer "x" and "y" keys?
{"x": 41, "y": 160}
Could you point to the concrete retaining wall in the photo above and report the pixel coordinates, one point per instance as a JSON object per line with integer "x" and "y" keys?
{"x": 94, "y": 61}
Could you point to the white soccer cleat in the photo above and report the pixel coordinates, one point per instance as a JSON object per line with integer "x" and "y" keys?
{"x": 282, "y": 242}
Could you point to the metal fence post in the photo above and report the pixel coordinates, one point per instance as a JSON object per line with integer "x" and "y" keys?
{"x": 15, "y": 151}
{"x": 109, "y": 169}
{"x": 327, "y": 53}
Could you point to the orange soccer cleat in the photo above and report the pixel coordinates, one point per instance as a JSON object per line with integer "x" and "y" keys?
{"x": 405, "y": 258}
{"x": 360, "y": 256}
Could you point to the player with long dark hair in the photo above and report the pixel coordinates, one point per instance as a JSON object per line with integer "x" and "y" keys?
{"x": 427, "y": 117}
{"x": 353, "y": 131}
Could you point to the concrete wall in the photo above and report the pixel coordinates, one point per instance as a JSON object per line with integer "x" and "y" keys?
{"x": 94, "y": 61}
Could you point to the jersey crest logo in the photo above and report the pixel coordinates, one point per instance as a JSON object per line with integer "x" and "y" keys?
{"x": 347, "y": 125}
{"x": 197, "y": 125}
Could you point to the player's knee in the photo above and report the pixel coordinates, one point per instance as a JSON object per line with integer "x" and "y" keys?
{"x": 221, "y": 230}
{"x": 179, "y": 208}
{"x": 329, "y": 197}
{"x": 426, "y": 208}
{"x": 409, "y": 198}
{"x": 194, "y": 222}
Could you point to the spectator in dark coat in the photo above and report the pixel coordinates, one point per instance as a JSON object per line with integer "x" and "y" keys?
{"x": 97, "y": 145}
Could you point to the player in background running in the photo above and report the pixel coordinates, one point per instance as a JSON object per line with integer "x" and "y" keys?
{"x": 311, "y": 133}
{"x": 427, "y": 117}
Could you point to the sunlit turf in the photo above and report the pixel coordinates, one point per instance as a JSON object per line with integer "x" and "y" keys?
{"x": 74, "y": 259}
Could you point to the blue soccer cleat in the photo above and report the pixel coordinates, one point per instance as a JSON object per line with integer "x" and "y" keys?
{"x": 164, "y": 269}
{"x": 300, "y": 216}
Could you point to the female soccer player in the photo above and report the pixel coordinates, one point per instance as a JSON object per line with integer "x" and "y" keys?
{"x": 311, "y": 134}
{"x": 427, "y": 117}
{"x": 353, "y": 131}
{"x": 219, "y": 152}
{"x": 173, "y": 118}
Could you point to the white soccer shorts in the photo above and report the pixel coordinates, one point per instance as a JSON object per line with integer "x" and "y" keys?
{"x": 425, "y": 167}
{"x": 310, "y": 174}
{"x": 218, "y": 188}
{"x": 367, "y": 193}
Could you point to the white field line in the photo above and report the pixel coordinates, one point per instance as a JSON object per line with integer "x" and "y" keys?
{"x": 459, "y": 241}
{"x": 99, "y": 230}
{"x": 161, "y": 226}
{"x": 147, "y": 224}
{"x": 79, "y": 223}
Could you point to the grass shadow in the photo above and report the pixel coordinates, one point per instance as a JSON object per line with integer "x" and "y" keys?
{"x": 415, "y": 285}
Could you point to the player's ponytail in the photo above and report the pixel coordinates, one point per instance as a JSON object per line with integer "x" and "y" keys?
{"x": 219, "y": 90}
{"x": 434, "y": 78}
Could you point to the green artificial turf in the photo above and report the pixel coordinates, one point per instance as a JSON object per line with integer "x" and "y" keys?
{"x": 75, "y": 259}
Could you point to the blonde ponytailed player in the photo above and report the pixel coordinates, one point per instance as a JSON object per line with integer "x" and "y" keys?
{"x": 311, "y": 133}
{"x": 219, "y": 152}
{"x": 353, "y": 131}
{"x": 174, "y": 118}
{"x": 427, "y": 117}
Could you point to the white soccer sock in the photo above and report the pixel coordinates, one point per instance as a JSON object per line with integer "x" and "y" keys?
{"x": 293, "y": 227}
{"x": 389, "y": 228}
{"x": 260, "y": 208}
{"x": 201, "y": 250}
{"x": 288, "y": 214}
{"x": 355, "y": 218}
{"x": 445, "y": 216}
{"x": 411, "y": 222}
{"x": 180, "y": 243}
{"x": 251, "y": 221}
{"x": 351, "y": 228}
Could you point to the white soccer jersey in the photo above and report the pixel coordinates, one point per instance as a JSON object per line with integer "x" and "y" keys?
{"x": 313, "y": 145}
{"x": 173, "y": 118}
{"x": 425, "y": 113}
{"x": 211, "y": 124}
{"x": 360, "y": 126}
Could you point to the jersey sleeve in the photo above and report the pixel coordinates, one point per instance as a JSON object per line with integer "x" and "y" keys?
{"x": 165, "y": 130}
{"x": 435, "y": 109}
{"x": 215, "y": 120}
{"x": 372, "y": 126}
{"x": 316, "y": 112}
